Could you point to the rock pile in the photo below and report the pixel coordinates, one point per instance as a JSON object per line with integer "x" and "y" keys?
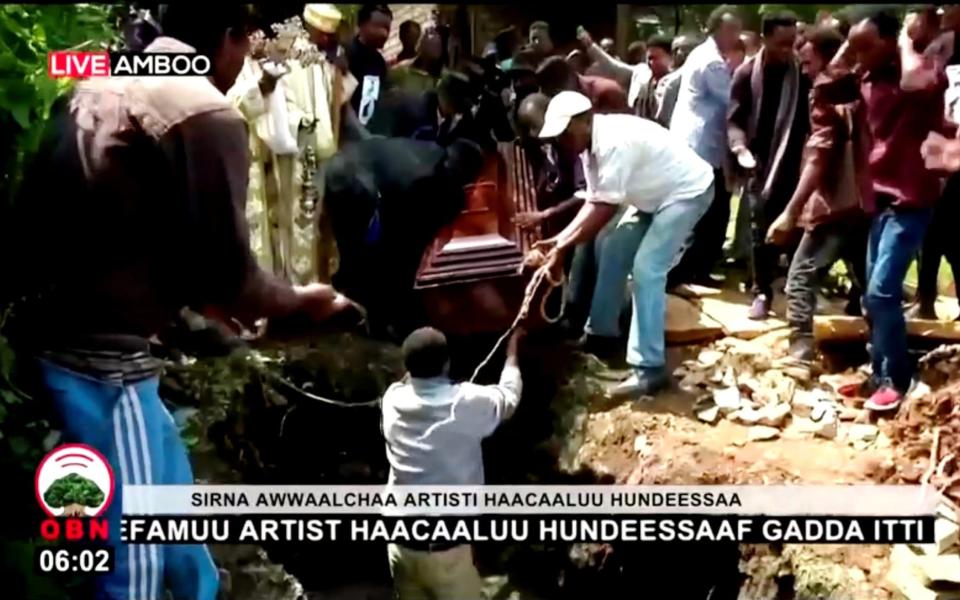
{"x": 755, "y": 384}
{"x": 930, "y": 571}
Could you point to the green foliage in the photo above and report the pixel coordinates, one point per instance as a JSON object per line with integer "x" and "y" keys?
{"x": 27, "y": 34}
{"x": 73, "y": 489}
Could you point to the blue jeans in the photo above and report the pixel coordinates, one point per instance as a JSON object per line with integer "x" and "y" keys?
{"x": 895, "y": 237}
{"x": 584, "y": 268}
{"x": 130, "y": 426}
{"x": 646, "y": 245}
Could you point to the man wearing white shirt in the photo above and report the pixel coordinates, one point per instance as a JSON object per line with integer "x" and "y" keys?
{"x": 636, "y": 162}
{"x": 433, "y": 429}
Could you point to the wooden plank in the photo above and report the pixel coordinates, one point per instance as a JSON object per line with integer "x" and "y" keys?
{"x": 687, "y": 324}
{"x": 843, "y": 329}
{"x": 732, "y": 316}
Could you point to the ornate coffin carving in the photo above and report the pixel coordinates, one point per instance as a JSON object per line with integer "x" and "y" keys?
{"x": 469, "y": 277}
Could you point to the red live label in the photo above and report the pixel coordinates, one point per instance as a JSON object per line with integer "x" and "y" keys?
{"x": 78, "y": 64}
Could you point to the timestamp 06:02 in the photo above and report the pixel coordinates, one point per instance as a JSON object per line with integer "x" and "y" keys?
{"x": 74, "y": 560}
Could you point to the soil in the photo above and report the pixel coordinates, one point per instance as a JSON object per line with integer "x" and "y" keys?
{"x": 567, "y": 430}
{"x": 682, "y": 450}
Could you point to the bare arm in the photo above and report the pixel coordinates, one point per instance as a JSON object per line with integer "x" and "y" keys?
{"x": 586, "y": 225}
{"x": 610, "y": 66}
{"x": 494, "y": 404}
{"x": 917, "y": 72}
{"x": 565, "y": 206}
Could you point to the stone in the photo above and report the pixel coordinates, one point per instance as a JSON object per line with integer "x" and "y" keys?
{"x": 927, "y": 569}
{"x": 865, "y": 433}
{"x": 692, "y": 381}
{"x": 946, "y": 534}
{"x": 822, "y": 422}
{"x": 761, "y": 433}
{"x": 827, "y": 429}
{"x": 709, "y": 358}
{"x": 919, "y": 391}
{"x": 776, "y": 341}
{"x": 709, "y": 415}
{"x": 801, "y": 374}
{"x": 747, "y": 416}
{"x": 728, "y": 399}
{"x": 774, "y": 414}
{"x": 804, "y": 401}
{"x": 945, "y": 512}
{"x": 845, "y": 413}
{"x": 729, "y": 378}
{"x": 821, "y": 411}
{"x": 910, "y": 587}
{"x": 640, "y": 445}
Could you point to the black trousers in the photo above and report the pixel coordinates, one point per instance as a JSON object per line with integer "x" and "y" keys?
{"x": 764, "y": 257}
{"x": 941, "y": 241}
{"x": 708, "y": 237}
{"x": 818, "y": 250}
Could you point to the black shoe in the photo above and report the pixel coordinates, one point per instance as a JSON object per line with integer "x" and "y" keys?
{"x": 601, "y": 346}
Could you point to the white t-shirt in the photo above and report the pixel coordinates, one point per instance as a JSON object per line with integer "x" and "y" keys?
{"x": 636, "y": 161}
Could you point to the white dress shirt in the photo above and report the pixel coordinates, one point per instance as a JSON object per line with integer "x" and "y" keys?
{"x": 433, "y": 427}
{"x": 636, "y": 161}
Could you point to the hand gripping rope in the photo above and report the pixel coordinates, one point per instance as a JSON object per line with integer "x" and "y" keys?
{"x": 542, "y": 273}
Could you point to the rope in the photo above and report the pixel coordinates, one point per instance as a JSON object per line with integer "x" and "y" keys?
{"x": 339, "y": 403}
{"x": 542, "y": 273}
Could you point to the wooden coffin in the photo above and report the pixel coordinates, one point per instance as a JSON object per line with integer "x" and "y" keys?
{"x": 470, "y": 278}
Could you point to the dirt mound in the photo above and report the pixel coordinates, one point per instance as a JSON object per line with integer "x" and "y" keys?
{"x": 927, "y": 432}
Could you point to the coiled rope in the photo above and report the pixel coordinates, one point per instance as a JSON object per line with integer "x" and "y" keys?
{"x": 542, "y": 274}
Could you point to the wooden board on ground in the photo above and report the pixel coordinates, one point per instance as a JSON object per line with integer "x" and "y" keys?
{"x": 732, "y": 316}
{"x": 687, "y": 324}
{"x": 692, "y": 290}
{"x": 842, "y": 328}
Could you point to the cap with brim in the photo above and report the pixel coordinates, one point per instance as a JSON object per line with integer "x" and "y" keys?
{"x": 323, "y": 17}
{"x": 563, "y": 107}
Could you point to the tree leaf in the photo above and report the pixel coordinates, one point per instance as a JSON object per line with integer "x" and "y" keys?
{"x": 19, "y": 445}
{"x": 21, "y": 114}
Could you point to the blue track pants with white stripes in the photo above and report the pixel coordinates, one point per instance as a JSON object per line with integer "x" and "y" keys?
{"x": 130, "y": 426}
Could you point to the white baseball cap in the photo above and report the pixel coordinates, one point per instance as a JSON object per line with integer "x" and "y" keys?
{"x": 563, "y": 107}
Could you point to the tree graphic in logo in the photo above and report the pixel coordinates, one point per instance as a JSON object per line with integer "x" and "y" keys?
{"x": 73, "y": 493}
{"x": 74, "y": 480}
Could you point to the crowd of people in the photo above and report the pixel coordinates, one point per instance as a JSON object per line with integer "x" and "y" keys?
{"x": 304, "y": 161}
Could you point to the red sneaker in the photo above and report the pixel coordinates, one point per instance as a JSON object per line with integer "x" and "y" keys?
{"x": 884, "y": 399}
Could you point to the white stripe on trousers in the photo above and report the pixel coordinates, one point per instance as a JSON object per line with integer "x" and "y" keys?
{"x": 154, "y": 559}
{"x": 137, "y": 480}
{"x": 118, "y": 440}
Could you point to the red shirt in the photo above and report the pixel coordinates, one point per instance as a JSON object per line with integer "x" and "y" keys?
{"x": 832, "y": 128}
{"x": 899, "y": 122}
{"x": 606, "y": 94}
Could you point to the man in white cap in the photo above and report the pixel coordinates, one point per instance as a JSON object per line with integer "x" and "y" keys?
{"x": 296, "y": 103}
{"x": 633, "y": 161}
